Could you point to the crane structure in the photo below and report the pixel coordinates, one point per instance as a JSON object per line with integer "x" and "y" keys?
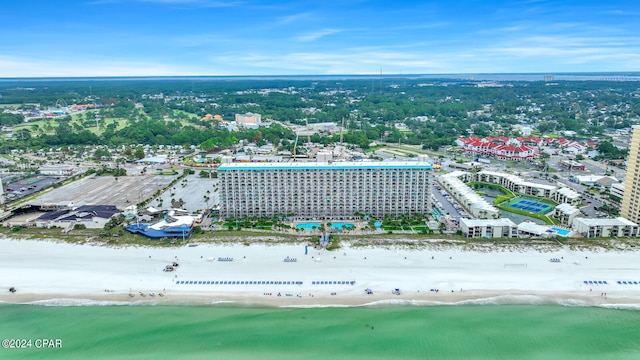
{"x": 295, "y": 145}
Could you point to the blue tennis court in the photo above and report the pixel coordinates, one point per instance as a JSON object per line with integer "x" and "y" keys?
{"x": 530, "y": 205}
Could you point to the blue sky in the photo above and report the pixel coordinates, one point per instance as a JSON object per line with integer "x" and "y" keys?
{"x": 257, "y": 37}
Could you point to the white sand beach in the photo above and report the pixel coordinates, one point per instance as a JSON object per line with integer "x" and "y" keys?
{"x": 51, "y": 272}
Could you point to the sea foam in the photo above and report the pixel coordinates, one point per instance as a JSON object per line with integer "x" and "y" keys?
{"x": 86, "y": 302}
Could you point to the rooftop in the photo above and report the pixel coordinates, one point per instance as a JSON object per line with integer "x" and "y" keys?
{"x": 567, "y": 209}
{"x": 487, "y": 222}
{"x": 326, "y": 166}
{"x": 570, "y": 193}
{"x": 533, "y": 228}
{"x": 518, "y": 180}
{"x": 468, "y": 195}
{"x": 619, "y": 221}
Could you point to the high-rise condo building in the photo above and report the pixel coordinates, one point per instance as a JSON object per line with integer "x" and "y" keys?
{"x": 630, "y": 208}
{"x": 325, "y": 190}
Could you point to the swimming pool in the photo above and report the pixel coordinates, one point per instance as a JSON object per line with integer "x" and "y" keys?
{"x": 561, "y": 232}
{"x": 337, "y": 225}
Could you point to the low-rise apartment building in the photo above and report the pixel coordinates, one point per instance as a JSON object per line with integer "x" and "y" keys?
{"x": 591, "y": 228}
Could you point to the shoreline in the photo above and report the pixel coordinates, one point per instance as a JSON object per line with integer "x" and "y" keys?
{"x": 54, "y": 273}
{"x": 471, "y": 298}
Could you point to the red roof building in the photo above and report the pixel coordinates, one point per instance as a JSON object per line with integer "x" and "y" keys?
{"x": 500, "y": 147}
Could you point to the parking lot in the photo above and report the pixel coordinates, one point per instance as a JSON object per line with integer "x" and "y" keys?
{"x": 193, "y": 193}
{"x": 19, "y": 189}
{"x": 446, "y": 204}
{"x": 106, "y": 190}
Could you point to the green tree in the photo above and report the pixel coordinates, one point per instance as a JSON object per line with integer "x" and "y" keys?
{"x": 139, "y": 153}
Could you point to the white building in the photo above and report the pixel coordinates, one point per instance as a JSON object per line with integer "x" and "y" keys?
{"x": 516, "y": 184}
{"x": 249, "y": 120}
{"x": 475, "y": 204}
{"x": 488, "y": 228}
{"x": 565, "y": 195}
{"x": 324, "y": 156}
{"x": 566, "y": 213}
{"x": 617, "y": 190}
{"x": 325, "y": 191}
{"x": 56, "y": 170}
{"x": 594, "y": 179}
{"x": 531, "y": 229}
{"x": 591, "y": 228}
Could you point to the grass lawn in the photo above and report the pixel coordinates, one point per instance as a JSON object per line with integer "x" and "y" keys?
{"x": 501, "y": 202}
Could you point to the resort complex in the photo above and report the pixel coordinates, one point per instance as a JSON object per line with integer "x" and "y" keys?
{"x": 501, "y": 147}
{"x": 521, "y": 148}
{"x": 454, "y": 182}
{"x": 558, "y": 204}
{"x": 233, "y": 157}
{"x": 325, "y": 190}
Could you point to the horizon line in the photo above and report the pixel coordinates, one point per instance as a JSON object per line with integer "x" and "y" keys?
{"x": 377, "y": 75}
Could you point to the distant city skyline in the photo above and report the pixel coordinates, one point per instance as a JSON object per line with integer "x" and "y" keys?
{"x": 44, "y": 38}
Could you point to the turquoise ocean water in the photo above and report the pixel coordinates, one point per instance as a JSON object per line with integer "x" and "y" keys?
{"x": 382, "y": 332}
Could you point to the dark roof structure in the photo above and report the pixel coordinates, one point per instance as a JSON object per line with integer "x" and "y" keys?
{"x": 84, "y": 212}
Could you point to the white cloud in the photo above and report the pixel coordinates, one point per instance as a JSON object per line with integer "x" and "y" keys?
{"x": 336, "y": 63}
{"x": 312, "y": 36}
{"x": 196, "y": 40}
{"x": 622, "y": 13}
{"x": 293, "y": 18}
{"x": 187, "y": 3}
{"x": 22, "y": 67}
